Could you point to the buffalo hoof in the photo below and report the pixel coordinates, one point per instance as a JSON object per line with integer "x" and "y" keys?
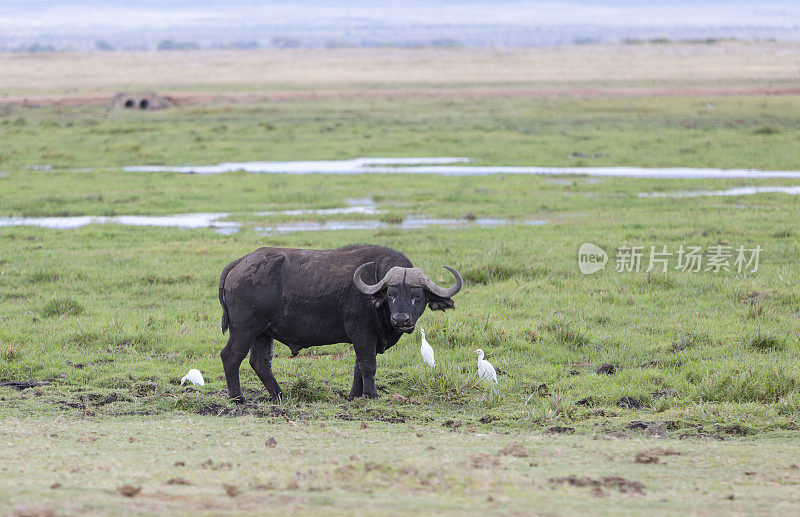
{"x": 370, "y": 395}
{"x": 239, "y": 399}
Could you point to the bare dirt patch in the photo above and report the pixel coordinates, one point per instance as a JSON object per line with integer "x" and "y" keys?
{"x": 739, "y": 66}
{"x": 23, "y": 385}
{"x": 515, "y": 449}
{"x": 184, "y": 99}
{"x": 556, "y": 430}
{"x": 754, "y": 297}
{"x": 483, "y": 460}
{"x": 623, "y": 485}
{"x": 178, "y": 481}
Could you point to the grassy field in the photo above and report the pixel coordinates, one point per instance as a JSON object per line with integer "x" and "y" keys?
{"x": 189, "y": 465}
{"x": 112, "y": 316}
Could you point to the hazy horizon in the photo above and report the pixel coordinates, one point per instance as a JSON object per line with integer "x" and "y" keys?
{"x": 314, "y": 23}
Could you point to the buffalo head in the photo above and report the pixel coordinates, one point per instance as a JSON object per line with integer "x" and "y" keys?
{"x": 406, "y": 291}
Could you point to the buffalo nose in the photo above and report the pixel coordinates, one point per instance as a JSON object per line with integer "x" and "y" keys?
{"x": 401, "y": 318}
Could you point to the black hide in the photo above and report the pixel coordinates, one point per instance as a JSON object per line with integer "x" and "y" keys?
{"x": 305, "y": 298}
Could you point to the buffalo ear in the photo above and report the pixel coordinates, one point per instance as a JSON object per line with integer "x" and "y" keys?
{"x": 437, "y": 303}
{"x": 377, "y": 300}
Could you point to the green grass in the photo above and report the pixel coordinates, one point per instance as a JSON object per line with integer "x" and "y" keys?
{"x": 113, "y": 316}
{"x": 146, "y": 299}
{"x": 758, "y": 132}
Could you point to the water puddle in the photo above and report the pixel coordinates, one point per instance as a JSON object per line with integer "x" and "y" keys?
{"x": 738, "y": 191}
{"x": 354, "y": 166}
{"x": 354, "y": 206}
{"x": 409, "y": 223}
{"x": 200, "y": 220}
{"x": 213, "y": 221}
{"x": 447, "y": 166}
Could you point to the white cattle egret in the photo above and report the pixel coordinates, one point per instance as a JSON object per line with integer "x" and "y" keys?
{"x": 426, "y": 350}
{"x": 485, "y": 368}
{"x": 195, "y": 377}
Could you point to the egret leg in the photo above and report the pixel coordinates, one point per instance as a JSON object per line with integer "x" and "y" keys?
{"x": 261, "y": 361}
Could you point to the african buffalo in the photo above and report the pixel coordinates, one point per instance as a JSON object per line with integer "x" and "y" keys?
{"x": 365, "y": 295}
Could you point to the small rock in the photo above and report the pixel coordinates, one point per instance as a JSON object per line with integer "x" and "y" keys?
{"x": 231, "y": 490}
{"x": 749, "y": 473}
{"x": 271, "y": 442}
{"x": 129, "y": 490}
{"x": 646, "y": 457}
{"x": 179, "y": 464}
{"x": 543, "y": 390}
{"x": 606, "y": 369}
{"x": 629, "y": 403}
{"x": 365, "y": 425}
{"x": 55, "y": 486}
{"x": 178, "y": 481}
{"x": 730, "y": 496}
{"x": 396, "y": 397}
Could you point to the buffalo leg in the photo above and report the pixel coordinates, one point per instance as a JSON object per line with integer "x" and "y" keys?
{"x": 261, "y": 361}
{"x": 358, "y": 383}
{"x": 232, "y": 356}
{"x": 367, "y": 364}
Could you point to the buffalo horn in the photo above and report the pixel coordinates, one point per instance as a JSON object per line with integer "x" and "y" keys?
{"x": 428, "y": 284}
{"x": 363, "y": 287}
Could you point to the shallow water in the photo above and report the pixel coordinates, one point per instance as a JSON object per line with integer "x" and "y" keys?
{"x": 199, "y": 220}
{"x": 409, "y": 223}
{"x": 355, "y": 206}
{"x": 739, "y": 191}
{"x": 445, "y": 166}
{"x": 354, "y": 166}
{"x": 212, "y": 221}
